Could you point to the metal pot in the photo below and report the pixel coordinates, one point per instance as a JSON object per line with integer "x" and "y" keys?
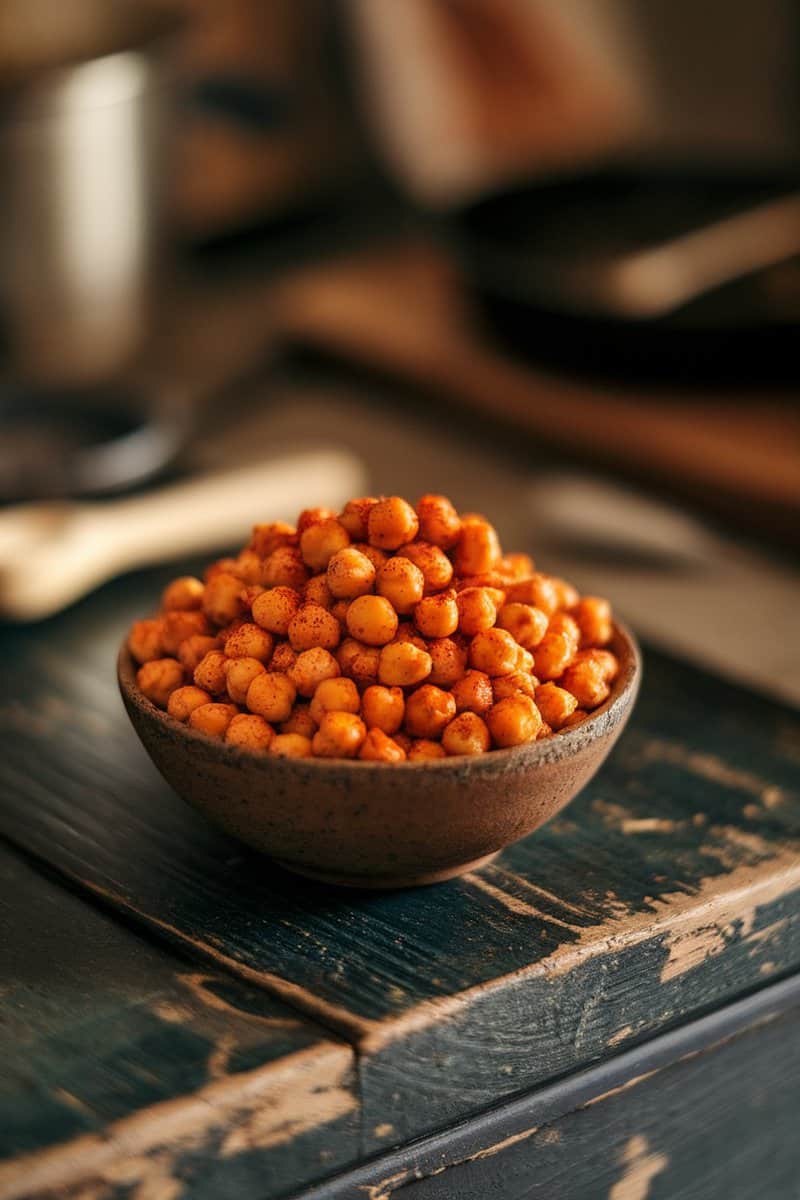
{"x": 81, "y": 129}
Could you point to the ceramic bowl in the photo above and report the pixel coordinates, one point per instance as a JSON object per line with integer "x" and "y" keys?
{"x": 378, "y": 825}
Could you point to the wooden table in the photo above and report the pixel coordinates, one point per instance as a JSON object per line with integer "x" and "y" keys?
{"x": 610, "y": 1009}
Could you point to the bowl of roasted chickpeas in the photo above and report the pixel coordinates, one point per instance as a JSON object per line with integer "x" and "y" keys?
{"x": 378, "y": 697}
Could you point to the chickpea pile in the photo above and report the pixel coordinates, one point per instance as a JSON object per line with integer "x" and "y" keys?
{"x": 384, "y": 632}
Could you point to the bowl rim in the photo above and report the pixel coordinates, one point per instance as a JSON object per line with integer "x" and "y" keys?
{"x": 622, "y": 697}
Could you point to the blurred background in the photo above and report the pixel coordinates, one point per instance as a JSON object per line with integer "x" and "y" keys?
{"x": 542, "y": 255}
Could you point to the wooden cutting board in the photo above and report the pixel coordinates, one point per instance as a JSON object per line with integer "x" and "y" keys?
{"x": 402, "y": 311}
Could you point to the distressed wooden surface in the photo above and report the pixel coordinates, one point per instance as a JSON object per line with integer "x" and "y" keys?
{"x": 705, "y": 1112}
{"x": 127, "y": 1071}
{"x": 672, "y": 885}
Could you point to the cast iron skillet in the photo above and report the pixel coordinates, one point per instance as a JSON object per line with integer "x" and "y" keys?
{"x": 518, "y": 246}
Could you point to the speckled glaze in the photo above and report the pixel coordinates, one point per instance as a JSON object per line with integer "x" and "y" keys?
{"x": 377, "y": 825}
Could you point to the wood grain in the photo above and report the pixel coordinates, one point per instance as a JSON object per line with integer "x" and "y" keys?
{"x": 672, "y": 885}
{"x": 125, "y": 1067}
{"x": 707, "y": 1110}
{"x": 717, "y": 1124}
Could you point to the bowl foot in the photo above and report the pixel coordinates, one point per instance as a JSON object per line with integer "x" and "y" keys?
{"x": 386, "y": 882}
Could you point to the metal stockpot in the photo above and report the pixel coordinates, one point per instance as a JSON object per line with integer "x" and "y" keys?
{"x": 81, "y": 133}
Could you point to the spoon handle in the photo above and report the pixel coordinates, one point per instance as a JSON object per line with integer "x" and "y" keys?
{"x": 219, "y": 510}
{"x": 98, "y": 541}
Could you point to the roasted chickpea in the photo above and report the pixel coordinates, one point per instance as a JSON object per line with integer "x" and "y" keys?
{"x": 383, "y": 708}
{"x": 401, "y": 583}
{"x": 212, "y": 719}
{"x": 494, "y": 651}
{"x": 350, "y": 574}
{"x": 473, "y": 693}
{"x": 513, "y": 684}
{"x": 340, "y": 735}
{"x": 227, "y": 630}
{"x": 209, "y": 674}
{"x": 402, "y": 664}
{"x": 494, "y": 583}
{"x": 311, "y": 667}
{"x": 562, "y": 622}
{"x": 406, "y": 632}
{"x": 267, "y": 538}
{"x": 555, "y": 704}
{"x": 476, "y": 610}
{"x": 250, "y": 593}
{"x": 358, "y": 661}
{"x": 372, "y": 619}
{"x": 422, "y": 749}
{"x": 355, "y": 516}
{"x": 290, "y": 745}
{"x": 516, "y": 566}
{"x": 378, "y": 747}
{"x": 538, "y": 590}
{"x": 251, "y": 732}
{"x": 339, "y": 610}
{"x": 271, "y": 696}
{"x": 274, "y": 609}
{"x": 526, "y": 624}
{"x": 319, "y": 543}
{"x": 436, "y": 567}
{"x": 391, "y": 523}
{"x": 589, "y": 676}
{"x": 223, "y": 566}
{"x": 249, "y": 567}
{"x": 334, "y": 695}
{"x": 250, "y": 641}
{"x": 608, "y": 662}
{"x": 566, "y": 595}
{"x": 524, "y": 661}
{"x": 478, "y": 547}
{"x": 437, "y": 616}
{"x": 318, "y": 592}
{"x": 593, "y": 618}
{"x": 239, "y": 674}
{"x": 314, "y": 626}
{"x": 404, "y": 741}
{"x": 545, "y": 731}
{"x": 428, "y": 710}
{"x": 184, "y": 700}
{"x": 466, "y": 734}
{"x": 553, "y": 655}
{"x": 184, "y": 593}
{"x": 284, "y": 567}
{"x": 376, "y": 557}
{"x": 178, "y": 626}
{"x": 513, "y": 721}
{"x": 283, "y": 659}
{"x": 439, "y": 523}
{"x": 222, "y": 600}
{"x": 347, "y": 652}
{"x": 313, "y": 516}
{"x": 192, "y": 652}
{"x": 586, "y": 682}
{"x": 577, "y": 718}
{"x": 145, "y": 641}
{"x": 448, "y": 661}
{"x": 300, "y": 721}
